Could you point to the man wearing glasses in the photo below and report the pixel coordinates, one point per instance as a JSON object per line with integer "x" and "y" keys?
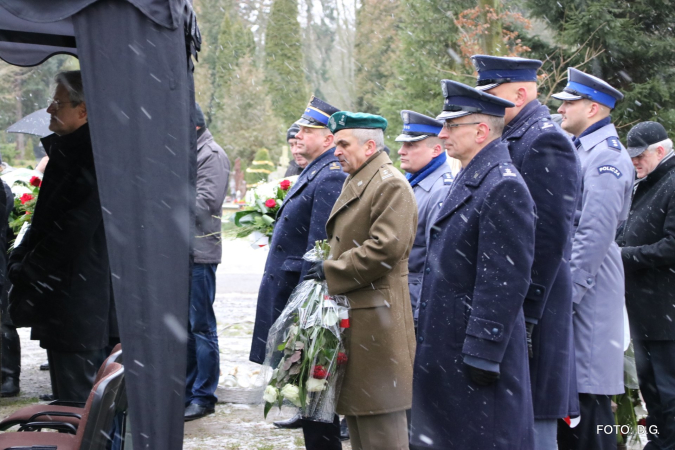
{"x": 471, "y": 383}
{"x": 61, "y": 265}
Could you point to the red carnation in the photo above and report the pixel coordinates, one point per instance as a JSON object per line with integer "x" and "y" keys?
{"x": 271, "y": 203}
{"x": 284, "y": 185}
{"x": 319, "y": 372}
{"x": 35, "y": 181}
{"x": 342, "y": 358}
{"x": 26, "y": 198}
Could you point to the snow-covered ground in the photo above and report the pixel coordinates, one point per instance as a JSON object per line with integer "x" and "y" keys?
{"x": 233, "y": 426}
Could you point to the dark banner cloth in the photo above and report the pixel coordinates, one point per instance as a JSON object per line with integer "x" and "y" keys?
{"x": 139, "y": 100}
{"x": 167, "y": 13}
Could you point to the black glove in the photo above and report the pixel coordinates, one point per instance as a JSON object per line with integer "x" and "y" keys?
{"x": 529, "y": 327}
{"x": 482, "y": 377}
{"x": 315, "y": 272}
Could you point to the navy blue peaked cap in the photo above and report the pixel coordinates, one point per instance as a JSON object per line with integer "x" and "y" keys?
{"x": 462, "y": 100}
{"x": 317, "y": 113}
{"x": 495, "y": 70}
{"x": 582, "y": 85}
{"x": 417, "y": 126}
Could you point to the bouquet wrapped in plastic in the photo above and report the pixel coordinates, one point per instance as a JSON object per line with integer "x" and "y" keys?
{"x": 305, "y": 356}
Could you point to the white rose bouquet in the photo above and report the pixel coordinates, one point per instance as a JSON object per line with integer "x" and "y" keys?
{"x": 306, "y": 357}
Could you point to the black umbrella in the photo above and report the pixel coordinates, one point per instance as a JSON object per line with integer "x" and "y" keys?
{"x": 36, "y": 123}
{"x": 140, "y": 99}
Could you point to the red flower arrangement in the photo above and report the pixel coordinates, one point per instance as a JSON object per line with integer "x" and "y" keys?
{"x": 25, "y": 198}
{"x": 342, "y": 358}
{"x": 285, "y": 185}
{"x": 320, "y": 372}
{"x": 271, "y": 203}
{"x": 35, "y": 181}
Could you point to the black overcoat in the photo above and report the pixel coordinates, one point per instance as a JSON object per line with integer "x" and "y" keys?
{"x": 300, "y": 222}
{"x": 476, "y": 277}
{"x": 64, "y": 251}
{"x": 547, "y": 160}
{"x": 648, "y": 254}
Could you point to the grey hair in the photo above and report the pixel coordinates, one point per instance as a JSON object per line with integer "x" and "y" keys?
{"x": 72, "y": 81}
{"x": 369, "y": 134}
{"x": 495, "y": 123}
{"x": 667, "y": 144}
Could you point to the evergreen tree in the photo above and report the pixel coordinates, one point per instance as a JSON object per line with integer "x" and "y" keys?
{"x": 247, "y": 121}
{"x": 635, "y": 39}
{"x": 259, "y": 169}
{"x": 284, "y": 68}
{"x": 429, "y": 52}
{"x": 375, "y": 50}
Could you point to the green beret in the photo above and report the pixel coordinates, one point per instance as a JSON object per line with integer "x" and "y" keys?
{"x": 343, "y": 120}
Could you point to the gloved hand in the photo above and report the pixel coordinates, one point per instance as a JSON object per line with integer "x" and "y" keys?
{"x": 482, "y": 377}
{"x": 529, "y": 327}
{"x": 315, "y": 272}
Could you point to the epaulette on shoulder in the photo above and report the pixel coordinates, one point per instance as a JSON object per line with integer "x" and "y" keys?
{"x": 334, "y": 166}
{"x": 613, "y": 143}
{"x": 546, "y": 123}
{"x": 386, "y": 172}
{"x": 508, "y": 170}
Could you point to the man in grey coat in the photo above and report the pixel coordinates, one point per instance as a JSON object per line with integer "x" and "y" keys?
{"x": 203, "y": 367}
{"x": 597, "y": 271}
{"x": 430, "y": 176}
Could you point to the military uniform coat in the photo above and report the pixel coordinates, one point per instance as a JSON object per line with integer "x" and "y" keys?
{"x": 475, "y": 281}
{"x": 547, "y": 161}
{"x": 597, "y": 270}
{"x": 371, "y": 231}
{"x": 648, "y": 253}
{"x": 301, "y": 221}
{"x": 428, "y": 194}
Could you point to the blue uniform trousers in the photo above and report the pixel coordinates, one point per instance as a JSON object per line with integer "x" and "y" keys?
{"x": 203, "y": 363}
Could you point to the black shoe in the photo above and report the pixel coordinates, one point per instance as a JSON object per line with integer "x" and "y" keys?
{"x": 344, "y": 430}
{"x": 10, "y": 387}
{"x": 47, "y": 397}
{"x": 290, "y": 424}
{"x": 44, "y": 366}
{"x": 195, "y": 411}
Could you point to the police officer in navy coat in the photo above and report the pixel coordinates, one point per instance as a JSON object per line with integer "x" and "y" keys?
{"x": 301, "y": 221}
{"x": 597, "y": 269}
{"x": 548, "y": 163}
{"x": 471, "y": 383}
{"x": 427, "y": 169}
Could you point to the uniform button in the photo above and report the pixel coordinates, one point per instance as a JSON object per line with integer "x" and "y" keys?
{"x": 589, "y": 280}
{"x": 424, "y": 304}
{"x": 427, "y": 270}
{"x": 285, "y": 217}
{"x": 420, "y": 339}
{"x": 495, "y": 331}
{"x": 537, "y": 291}
{"x": 279, "y": 248}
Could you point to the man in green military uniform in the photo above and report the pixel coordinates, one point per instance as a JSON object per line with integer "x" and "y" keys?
{"x": 371, "y": 230}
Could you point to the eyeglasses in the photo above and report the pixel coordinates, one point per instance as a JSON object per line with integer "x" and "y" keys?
{"x": 58, "y": 103}
{"x": 450, "y": 126}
